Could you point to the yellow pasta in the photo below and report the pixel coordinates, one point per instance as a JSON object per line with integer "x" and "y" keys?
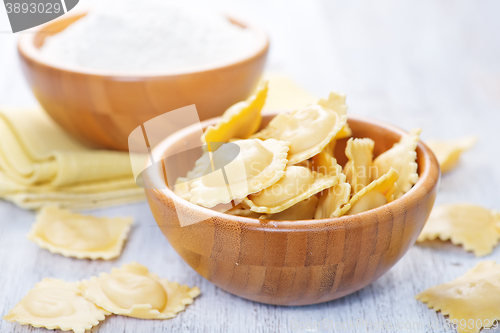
{"x": 471, "y": 301}
{"x": 298, "y": 183}
{"x": 56, "y": 304}
{"x": 448, "y": 152}
{"x": 259, "y": 164}
{"x": 80, "y": 236}
{"x": 476, "y": 228}
{"x": 135, "y": 292}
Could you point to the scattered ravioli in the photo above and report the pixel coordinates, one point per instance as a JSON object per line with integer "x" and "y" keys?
{"x": 308, "y": 130}
{"x": 471, "y": 301}
{"x": 239, "y": 121}
{"x": 474, "y": 227}
{"x": 304, "y": 210}
{"x": 259, "y": 164}
{"x": 80, "y": 236}
{"x": 336, "y": 102}
{"x": 359, "y": 167}
{"x": 135, "y": 292}
{"x": 377, "y": 193}
{"x": 298, "y": 183}
{"x": 402, "y": 157}
{"x": 448, "y": 152}
{"x": 56, "y": 304}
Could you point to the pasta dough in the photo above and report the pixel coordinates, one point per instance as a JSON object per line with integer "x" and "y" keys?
{"x": 135, "y": 292}
{"x": 298, "y": 183}
{"x": 474, "y": 227}
{"x": 472, "y": 300}
{"x": 81, "y": 236}
{"x": 239, "y": 121}
{"x": 258, "y": 165}
{"x": 56, "y": 304}
{"x": 448, "y": 152}
{"x": 402, "y": 157}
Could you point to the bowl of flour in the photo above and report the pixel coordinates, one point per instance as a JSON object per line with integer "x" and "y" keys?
{"x": 101, "y": 73}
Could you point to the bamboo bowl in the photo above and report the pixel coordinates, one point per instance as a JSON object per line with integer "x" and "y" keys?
{"x": 296, "y": 262}
{"x": 102, "y": 108}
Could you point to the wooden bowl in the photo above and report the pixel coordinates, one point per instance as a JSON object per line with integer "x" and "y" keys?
{"x": 102, "y": 108}
{"x": 296, "y": 262}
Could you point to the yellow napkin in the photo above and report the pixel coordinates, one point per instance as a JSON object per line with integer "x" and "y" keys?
{"x": 40, "y": 165}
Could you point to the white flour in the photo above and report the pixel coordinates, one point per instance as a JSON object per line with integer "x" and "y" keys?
{"x": 148, "y": 36}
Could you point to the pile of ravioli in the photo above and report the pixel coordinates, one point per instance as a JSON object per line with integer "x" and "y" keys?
{"x": 130, "y": 290}
{"x": 288, "y": 170}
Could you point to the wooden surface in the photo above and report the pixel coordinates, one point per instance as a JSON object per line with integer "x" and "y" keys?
{"x": 102, "y": 109}
{"x": 295, "y": 262}
{"x": 433, "y": 64}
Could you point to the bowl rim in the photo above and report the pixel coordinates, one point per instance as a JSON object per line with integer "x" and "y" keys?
{"x": 429, "y": 177}
{"x": 28, "y": 50}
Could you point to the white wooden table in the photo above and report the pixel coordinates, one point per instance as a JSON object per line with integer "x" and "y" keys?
{"x": 433, "y": 64}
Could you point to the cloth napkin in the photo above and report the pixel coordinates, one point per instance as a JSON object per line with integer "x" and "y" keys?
{"x": 42, "y": 165}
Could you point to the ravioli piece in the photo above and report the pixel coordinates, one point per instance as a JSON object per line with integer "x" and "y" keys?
{"x": 474, "y": 227}
{"x": 183, "y": 188}
{"x": 298, "y": 184}
{"x": 258, "y": 165}
{"x": 336, "y": 102}
{"x": 325, "y": 163}
{"x": 335, "y": 197}
{"x": 133, "y": 291}
{"x": 242, "y": 209}
{"x": 56, "y": 304}
{"x": 473, "y": 298}
{"x": 182, "y": 185}
{"x": 402, "y": 157}
{"x": 359, "y": 167}
{"x": 339, "y": 194}
{"x": 303, "y": 210}
{"x": 80, "y": 236}
{"x": 239, "y": 121}
{"x": 377, "y": 193}
{"x": 448, "y": 152}
{"x": 308, "y": 130}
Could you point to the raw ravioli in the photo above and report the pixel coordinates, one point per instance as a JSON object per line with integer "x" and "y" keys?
{"x": 135, "y": 292}
{"x": 448, "y": 152}
{"x": 298, "y": 183}
{"x": 377, "y": 193}
{"x": 474, "y": 227}
{"x": 472, "y": 300}
{"x": 402, "y": 157}
{"x": 80, "y": 236}
{"x": 56, "y": 304}
{"x": 258, "y": 165}
{"x": 239, "y": 121}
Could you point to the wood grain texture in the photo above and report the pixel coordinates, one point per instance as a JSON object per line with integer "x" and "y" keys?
{"x": 294, "y": 262}
{"x": 102, "y": 109}
{"x": 430, "y": 64}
